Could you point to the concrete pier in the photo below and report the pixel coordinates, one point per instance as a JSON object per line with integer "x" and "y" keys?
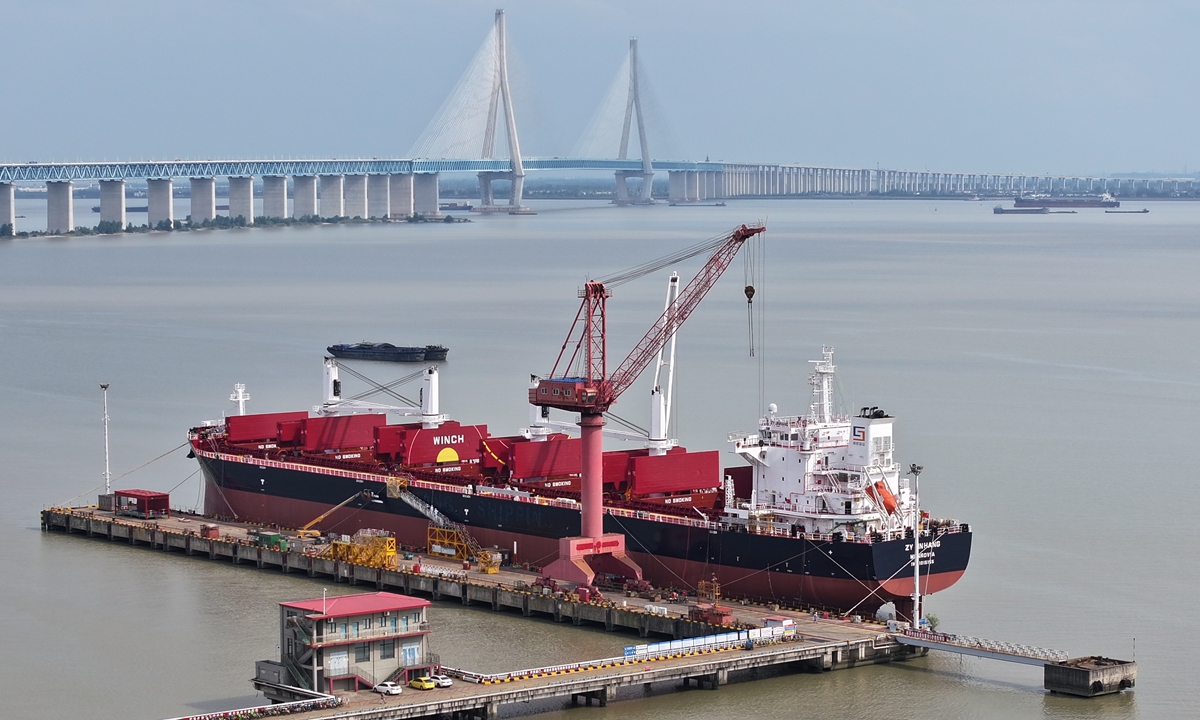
{"x": 304, "y": 196}
{"x": 160, "y": 201}
{"x": 8, "y": 205}
{"x": 401, "y": 195}
{"x": 379, "y": 201}
{"x": 112, "y": 201}
{"x": 204, "y": 199}
{"x": 333, "y": 200}
{"x": 241, "y": 198}
{"x": 274, "y": 196}
{"x": 60, "y": 208}
{"x": 425, "y": 195}
{"x": 677, "y": 186}
{"x": 355, "y": 196}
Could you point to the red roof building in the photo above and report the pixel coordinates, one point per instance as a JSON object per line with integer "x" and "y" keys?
{"x": 349, "y": 642}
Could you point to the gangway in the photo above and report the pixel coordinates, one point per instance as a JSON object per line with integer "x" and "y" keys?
{"x": 444, "y": 532}
{"x": 979, "y": 647}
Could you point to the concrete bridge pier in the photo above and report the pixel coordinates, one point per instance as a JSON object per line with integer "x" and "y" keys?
{"x": 677, "y": 186}
{"x": 425, "y": 195}
{"x": 379, "y": 201}
{"x": 333, "y": 200}
{"x": 400, "y": 194}
{"x": 60, "y": 210}
{"x": 355, "y": 203}
{"x": 204, "y": 199}
{"x": 646, "y": 196}
{"x": 160, "y": 201}
{"x": 8, "y": 205}
{"x": 112, "y": 202}
{"x": 692, "y": 187}
{"x": 241, "y": 198}
{"x": 274, "y": 196}
{"x": 304, "y": 196}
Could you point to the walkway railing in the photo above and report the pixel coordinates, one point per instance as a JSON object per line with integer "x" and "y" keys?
{"x": 967, "y": 642}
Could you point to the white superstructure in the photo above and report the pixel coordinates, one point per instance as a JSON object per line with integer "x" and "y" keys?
{"x": 823, "y": 472}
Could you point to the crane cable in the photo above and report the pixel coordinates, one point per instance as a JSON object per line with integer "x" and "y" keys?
{"x": 653, "y": 266}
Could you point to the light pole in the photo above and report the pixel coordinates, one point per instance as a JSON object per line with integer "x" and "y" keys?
{"x": 915, "y": 471}
{"x": 107, "y": 474}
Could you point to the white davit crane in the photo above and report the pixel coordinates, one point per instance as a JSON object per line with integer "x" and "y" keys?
{"x": 333, "y": 403}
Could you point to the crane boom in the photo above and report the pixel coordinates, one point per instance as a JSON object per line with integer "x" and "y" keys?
{"x": 307, "y": 530}
{"x": 675, "y": 315}
{"x": 597, "y": 390}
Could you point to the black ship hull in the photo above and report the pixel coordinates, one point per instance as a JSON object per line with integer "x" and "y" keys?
{"x": 799, "y": 571}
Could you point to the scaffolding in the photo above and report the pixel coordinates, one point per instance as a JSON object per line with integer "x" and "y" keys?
{"x": 368, "y": 547}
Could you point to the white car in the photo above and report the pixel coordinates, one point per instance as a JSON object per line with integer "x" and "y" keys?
{"x": 441, "y": 680}
{"x": 388, "y": 688}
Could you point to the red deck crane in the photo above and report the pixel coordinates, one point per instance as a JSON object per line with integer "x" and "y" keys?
{"x": 592, "y": 392}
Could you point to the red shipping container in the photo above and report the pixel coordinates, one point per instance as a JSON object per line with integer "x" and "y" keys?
{"x": 675, "y": 471}
{"x": 291, "y": 432}
{"x": 343, "y": 431}
{"x": 265, "y": 426}
{"x": 546, "y": 459}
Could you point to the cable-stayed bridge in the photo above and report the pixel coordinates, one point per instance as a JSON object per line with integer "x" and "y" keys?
{"x": 475, "y": 131}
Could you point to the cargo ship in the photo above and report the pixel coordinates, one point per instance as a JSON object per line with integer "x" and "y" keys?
{"x": 1066, "y": 201}
{"x": 388, "y": 352}
{"x": 818, "y": 513}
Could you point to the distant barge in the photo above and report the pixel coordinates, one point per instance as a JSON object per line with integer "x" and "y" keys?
{"x": 388, "y": 352}
{"x": 1065, "y": 201}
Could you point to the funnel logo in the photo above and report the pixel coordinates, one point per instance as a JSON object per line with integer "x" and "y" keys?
{"x": 859, "y": 434}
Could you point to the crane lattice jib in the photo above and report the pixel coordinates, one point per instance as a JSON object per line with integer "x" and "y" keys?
{"x": 689, "y": 298}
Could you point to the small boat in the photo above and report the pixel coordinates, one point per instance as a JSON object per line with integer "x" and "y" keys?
{"x": 378, "y": 351}
{"x": 1127, "y": 212}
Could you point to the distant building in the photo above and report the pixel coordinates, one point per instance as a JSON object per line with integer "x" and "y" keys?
{"x": 347, "y": 643}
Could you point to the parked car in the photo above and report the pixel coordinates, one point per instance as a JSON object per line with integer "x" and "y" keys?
{"x": 389, "y": 688}
{"x": 422, "y": 683}
{"x": 441, "y": 680}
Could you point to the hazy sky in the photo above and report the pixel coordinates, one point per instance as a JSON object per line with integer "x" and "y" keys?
{"x": 1037, "y": 87}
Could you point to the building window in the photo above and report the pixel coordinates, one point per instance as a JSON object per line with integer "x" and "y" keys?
{"x": 367, "y": 623}
{"x": 289, "y": 649}
{"x": 362, "y": 652}
{"x": 387, "y": 649}
{"x": 412, "y": 653}
{"x": 343, "y": 631}
{"x": 354, "y": 627}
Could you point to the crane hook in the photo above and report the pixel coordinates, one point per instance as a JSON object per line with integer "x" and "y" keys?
{"x": 750, "y": 316}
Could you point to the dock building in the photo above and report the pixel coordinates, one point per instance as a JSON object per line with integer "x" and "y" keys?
{"x": 348, "y": 643}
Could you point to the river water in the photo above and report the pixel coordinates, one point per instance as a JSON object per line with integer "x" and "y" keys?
{"x": 1043, "y": 369}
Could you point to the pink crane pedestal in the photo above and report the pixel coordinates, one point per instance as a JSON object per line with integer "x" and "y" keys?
{"x": 580, "y": 558}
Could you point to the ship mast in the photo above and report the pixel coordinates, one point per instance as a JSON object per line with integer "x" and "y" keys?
{"x": 915, "y": 471}
{"x": 107, "y": 473}
{"x": 239, "y": 397}
{"x": 822, "y": 381}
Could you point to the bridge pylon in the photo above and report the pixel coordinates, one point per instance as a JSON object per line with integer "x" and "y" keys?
{"x": 633, "y": 109}
{"x": 502, "y": 97}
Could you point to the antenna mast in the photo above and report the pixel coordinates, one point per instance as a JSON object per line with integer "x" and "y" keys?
{"x": 107, "y": 473}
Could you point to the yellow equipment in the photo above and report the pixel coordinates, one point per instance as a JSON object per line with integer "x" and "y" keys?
{"x": 371, "y": 548}
{"x": 307, "y": 532}
{"x": 456, "y": 542}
